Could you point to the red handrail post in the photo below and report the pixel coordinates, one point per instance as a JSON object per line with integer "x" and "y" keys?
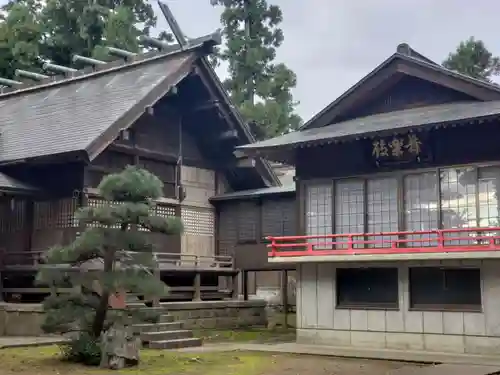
{"x": 273, "y": 246}
{"x": 310, "y": 249}
{"x": 440, "y": 239}
{"x": 349, "y": 242}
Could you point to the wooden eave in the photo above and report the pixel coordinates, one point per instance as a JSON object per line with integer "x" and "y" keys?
{"x": 233, "y": 117}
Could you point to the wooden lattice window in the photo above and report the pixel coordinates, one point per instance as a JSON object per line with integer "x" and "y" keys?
{"x": 55, "y": 214}
{"x": 198, "y": 221}
{"x": 12, "y": 215}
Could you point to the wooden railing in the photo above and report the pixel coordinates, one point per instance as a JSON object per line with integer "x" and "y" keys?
{"x": 193, "y": 260}
{"x": 165, "y": 260}
{"x": 430, "y": 241}
{"x": 20, "y": 258}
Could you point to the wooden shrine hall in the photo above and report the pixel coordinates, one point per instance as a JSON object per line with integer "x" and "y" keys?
{"x": 397, "y": 244}
{"x": 164, "y": 110}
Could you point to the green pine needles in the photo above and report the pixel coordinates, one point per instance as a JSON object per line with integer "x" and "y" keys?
{"x": 113, "y": 255}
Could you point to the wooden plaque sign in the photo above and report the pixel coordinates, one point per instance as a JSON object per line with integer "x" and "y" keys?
{"x": 399, "y": 149}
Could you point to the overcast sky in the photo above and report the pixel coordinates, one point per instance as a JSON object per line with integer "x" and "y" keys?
{"x": 331, "y": 44}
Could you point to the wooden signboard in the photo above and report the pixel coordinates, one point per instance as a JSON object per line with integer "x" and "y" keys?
{"x": 409, "y": 148}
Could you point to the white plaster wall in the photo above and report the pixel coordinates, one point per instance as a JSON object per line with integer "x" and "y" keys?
{"x": 319, "y": 322}
{"x": 197, "y": 214}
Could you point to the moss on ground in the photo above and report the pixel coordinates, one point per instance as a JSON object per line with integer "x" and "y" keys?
{"x": 46, "y": 361}
{"x": 257, "y": 335}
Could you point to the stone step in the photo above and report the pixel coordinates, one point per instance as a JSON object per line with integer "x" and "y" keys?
{"x": 166, "y": 335}
{"x": 175, "y": 344}
{"x": 166, "y": 318}
{"x": 155, "y": 327}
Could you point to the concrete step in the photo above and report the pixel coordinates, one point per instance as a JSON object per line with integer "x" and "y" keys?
{"x": 155, "y": 327}
{"x": 136, "y": 305}
{"x": 166, "y": 318}
{"x": 166, "y": 335}
{"x": 175, "y": 344}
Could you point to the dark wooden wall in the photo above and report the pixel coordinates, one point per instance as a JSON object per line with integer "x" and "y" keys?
{"x": 37, "y": 222}
{"x": 459, "y": 145}
{"x": 242, "y": 226}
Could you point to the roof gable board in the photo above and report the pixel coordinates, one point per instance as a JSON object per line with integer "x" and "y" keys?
{"x": 401, "y": 63}
{"x": 406, "y": 92}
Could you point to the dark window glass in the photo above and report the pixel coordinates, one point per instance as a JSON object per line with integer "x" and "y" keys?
{"x": 436, "y": 288}
{"x": 367, "y": 287}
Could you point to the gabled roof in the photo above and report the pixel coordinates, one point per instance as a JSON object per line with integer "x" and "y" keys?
{"x": 407, "y": 61}
{"x": 396, "y": 121}
{"x": 73, "y": 115}
{"x": 83, "y": 114}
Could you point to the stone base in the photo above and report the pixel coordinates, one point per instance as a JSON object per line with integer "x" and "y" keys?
{"x": 444, "y": 343}
{"x": 18, "y": 319}
{"x": 218, "y": 314}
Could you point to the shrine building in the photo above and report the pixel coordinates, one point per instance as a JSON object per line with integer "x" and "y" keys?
{"x": 397, "y": 243}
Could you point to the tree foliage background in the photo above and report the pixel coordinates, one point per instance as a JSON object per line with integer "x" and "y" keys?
{"x": 472, "y": 58}
{"x": 260, "y": 88}
{"x": 34, "y": 31}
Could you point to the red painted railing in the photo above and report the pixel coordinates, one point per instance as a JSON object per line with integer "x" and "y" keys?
{"x": 430, "y": 241}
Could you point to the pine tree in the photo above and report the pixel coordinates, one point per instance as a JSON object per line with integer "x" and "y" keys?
{"x": 260, "y": 88}
{"x": 112, "y": 253}
{"x": 472, "y": 58}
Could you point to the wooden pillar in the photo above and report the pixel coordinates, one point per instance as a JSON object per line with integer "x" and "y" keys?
{"x": 245, "y": 285}
{"x": 234, "y": 286}
{"x": 284, "y": 296}
{"x": 197, "y": 287}
{"x": 30, "y": 223}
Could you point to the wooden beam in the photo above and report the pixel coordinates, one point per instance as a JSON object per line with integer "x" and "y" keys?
{"x": 228, "y": 135}
{"x": 246, "y": 163}
{"x": 206, "y": 106}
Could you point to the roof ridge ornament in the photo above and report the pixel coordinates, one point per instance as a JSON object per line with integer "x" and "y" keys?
{"x": 9, "y": 82}
{"x": 59, "y": 69}
{"x": 88, "y": 61}
{"x": 37, "y": 77}
{"x": 122, "y": 53}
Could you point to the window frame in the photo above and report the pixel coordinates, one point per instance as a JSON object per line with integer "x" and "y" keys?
{"x": 368, "y": 305}
{"x": 400, "y": 175}
{"x": 444, "y": 306}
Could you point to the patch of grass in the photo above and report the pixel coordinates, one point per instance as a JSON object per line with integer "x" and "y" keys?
{"x": 260, "y": 335}
{"x": 46, "y": 361}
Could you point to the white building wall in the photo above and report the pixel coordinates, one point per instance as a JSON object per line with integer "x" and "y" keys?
{"x": 319, "y": 322}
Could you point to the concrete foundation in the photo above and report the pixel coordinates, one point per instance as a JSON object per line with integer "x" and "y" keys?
{"x": 25, "y": 319}
{"x": 320, "y": 322}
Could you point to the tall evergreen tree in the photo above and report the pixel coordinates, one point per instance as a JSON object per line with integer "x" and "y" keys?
{"x": 117, "y": 256}
{"x": 258, "y": 86}
{"x": 20, "y": 33}
{"x": 55, "y": 30}
{"x": 472, "y": 58}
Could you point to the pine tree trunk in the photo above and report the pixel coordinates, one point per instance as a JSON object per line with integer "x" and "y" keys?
{"x": 102, "y": 309}
{"x": 248, "y": 35}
